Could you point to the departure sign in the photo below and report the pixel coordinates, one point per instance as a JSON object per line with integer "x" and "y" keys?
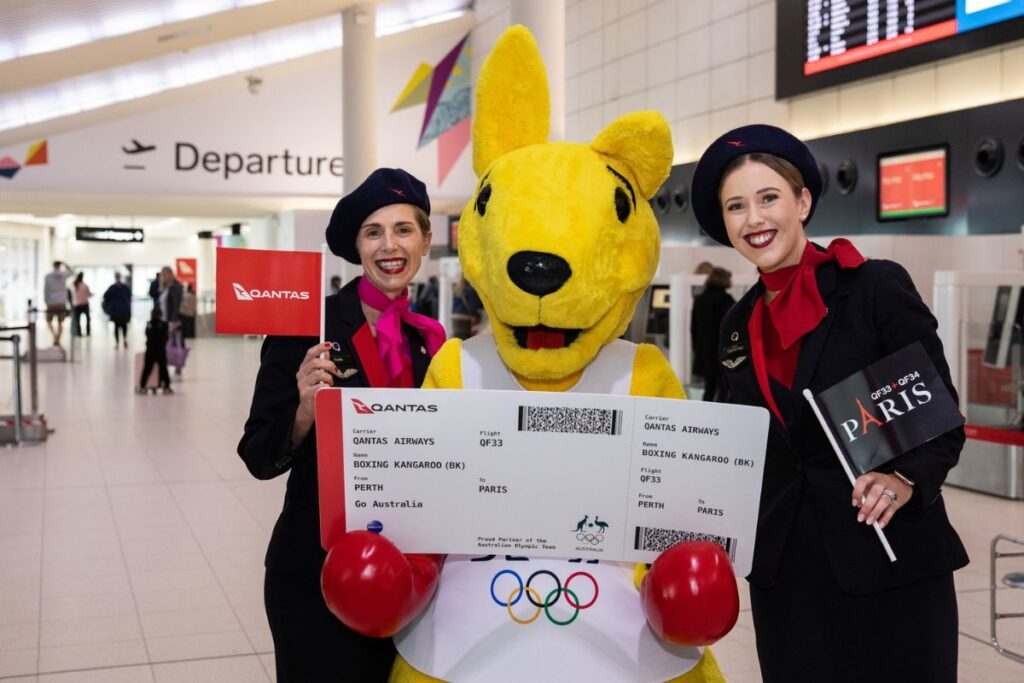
{"x": 827, "y": 42}
{"x": 912, "y": 185}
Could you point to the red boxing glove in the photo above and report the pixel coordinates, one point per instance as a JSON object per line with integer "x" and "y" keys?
{"x": 372, "y": 587}
{"x": 689, "y": 596}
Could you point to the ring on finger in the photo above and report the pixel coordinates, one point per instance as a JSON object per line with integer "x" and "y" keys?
{"x": 891, "y": 494}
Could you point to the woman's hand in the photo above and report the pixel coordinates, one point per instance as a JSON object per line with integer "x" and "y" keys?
{"x": 871, "y": 493}
{"x": 314, "y": 373}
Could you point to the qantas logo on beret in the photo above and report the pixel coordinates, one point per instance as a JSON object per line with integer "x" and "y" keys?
{"x": 400, "y": 193}
{"x": 734, "y": 143}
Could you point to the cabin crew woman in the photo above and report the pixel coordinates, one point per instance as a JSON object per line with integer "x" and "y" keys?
{"x": 827, "y": 603}
{"x": 373, "y": 341}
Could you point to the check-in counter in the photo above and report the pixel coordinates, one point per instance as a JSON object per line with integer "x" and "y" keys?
{"x": 980, "y": 315}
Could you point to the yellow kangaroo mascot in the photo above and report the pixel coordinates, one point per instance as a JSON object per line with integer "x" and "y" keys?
{"x": 560, "y": 242}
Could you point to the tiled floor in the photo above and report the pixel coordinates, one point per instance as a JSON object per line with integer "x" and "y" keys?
{"x": 131, "y": 542}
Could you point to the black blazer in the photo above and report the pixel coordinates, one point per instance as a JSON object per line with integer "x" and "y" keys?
{"x": 265, "y": 446}
{"x": 873, "y": 311}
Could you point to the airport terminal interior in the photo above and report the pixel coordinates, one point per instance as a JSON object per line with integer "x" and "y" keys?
{"x": 146, "y": 140}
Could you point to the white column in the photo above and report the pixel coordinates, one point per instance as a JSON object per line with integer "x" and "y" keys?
{"x": 358, "y": 108}
{"x": 546, "y": 21}
{"x": 359, "y": 93}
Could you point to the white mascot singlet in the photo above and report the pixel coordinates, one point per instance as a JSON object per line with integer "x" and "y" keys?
{"x": 506, "y": 618}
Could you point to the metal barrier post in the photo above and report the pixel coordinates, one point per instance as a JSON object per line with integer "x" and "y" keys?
{"x": 994, "y": 613}
{"x": 33, "y": 368}
{"x": 16, "y": 341}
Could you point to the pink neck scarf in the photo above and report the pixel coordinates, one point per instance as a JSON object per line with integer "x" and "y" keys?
{"x": 393, "y": 312}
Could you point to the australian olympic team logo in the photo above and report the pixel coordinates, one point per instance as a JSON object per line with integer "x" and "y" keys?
{"x": 533, "y": 596}
{"x": 590, "y": 532}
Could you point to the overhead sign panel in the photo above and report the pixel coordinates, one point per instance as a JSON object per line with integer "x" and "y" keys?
{"x": 123, "y": 235}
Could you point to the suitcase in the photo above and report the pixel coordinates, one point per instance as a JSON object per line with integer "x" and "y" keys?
{"x": 153, "y": 381}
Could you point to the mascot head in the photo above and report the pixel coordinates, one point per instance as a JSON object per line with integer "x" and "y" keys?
{"x": 558, "y": 239}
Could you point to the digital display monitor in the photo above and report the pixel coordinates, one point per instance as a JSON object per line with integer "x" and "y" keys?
{"x": 913, "y": 184}
{"x": 657, "y": 312}
{"x": 659, "y": 297}
{"x": 1006, "y": 319}
{"x": 826, "y": 42}
{"x": 453, "y": 235}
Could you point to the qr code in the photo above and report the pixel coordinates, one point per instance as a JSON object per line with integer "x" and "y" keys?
{"x": 570, "y": 420}
{"x": 659, "y": 540}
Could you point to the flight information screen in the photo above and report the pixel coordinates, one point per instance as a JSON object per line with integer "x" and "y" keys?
{"x": 913, "y": 184}
{"x": 849, "y": 39}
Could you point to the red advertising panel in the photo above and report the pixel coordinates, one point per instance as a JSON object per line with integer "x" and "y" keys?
{"x": 185, "y": 269}
{"x": 912, "y": 185}
{"x": 268, "y": 292}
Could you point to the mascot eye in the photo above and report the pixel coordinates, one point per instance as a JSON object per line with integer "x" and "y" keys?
{"x": 482, "y": 199}
{"x": 622, "y": 205}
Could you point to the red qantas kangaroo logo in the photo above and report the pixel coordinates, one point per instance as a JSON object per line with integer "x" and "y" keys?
{"x": 361, "y": 408}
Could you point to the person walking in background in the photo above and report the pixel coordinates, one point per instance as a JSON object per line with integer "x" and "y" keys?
{"x": 55, "y": 294}
{"x": 80, "y": 306}
{"x": 703, "y": 268}
{"x": 170, "y": 305}
{"x": 187, "y": 313}
{"x": 467, "y": 310}
{"x": 426, "y": 301}
{"x": 117, "y": 303}
{"x": 154, "y": 291}
{"x": 156, "y": 352}
{"x": 709, "y": 308}
{"x": 335, "y": 284}
{"x": 169, "y": 299}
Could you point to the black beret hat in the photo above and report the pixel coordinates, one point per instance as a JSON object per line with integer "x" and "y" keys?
{"x": 383, "y": 187}
{"x": 754, "y": 138}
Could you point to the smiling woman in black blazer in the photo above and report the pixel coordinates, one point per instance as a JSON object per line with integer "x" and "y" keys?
{"x": 827, "y": 604}
{"x": 371, "y": 341}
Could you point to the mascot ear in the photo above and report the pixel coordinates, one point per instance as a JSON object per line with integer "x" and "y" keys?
{"x": 512, "y": 104}
{"x": 643, "y": 142}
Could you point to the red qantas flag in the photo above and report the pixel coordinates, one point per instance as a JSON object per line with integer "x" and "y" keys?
{"x": 268, "y": 292}
{"x": 186, "y": 271}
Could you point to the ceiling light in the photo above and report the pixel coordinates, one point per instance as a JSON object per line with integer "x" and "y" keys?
{"x": 159, "y": 13}
{"x": 197, "y": 65}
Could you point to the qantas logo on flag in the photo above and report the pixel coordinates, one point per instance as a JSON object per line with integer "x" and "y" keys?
{"x": 240, "y": 292}
{"x": 268, "y": 292}
{"x": 361, "y": 408}
{"x": 252, "y": 294}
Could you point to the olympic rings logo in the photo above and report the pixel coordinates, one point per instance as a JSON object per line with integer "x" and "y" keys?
{"x": 545, "y": 605}
{"x": 592, "y": 539}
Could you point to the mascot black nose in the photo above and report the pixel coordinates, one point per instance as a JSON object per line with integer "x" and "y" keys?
{"x": 538, "y": 273}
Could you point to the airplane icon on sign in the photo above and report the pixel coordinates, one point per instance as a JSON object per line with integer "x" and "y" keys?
{"x": 138, "y": 148}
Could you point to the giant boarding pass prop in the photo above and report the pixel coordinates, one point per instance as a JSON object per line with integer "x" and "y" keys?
{"x": 539, "y": 474}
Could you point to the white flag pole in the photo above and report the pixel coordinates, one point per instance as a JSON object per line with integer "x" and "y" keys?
{"x": 323, "y": 304}
{"x": 846, "y": 467}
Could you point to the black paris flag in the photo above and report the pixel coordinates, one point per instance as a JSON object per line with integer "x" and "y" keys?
{"x": 888, "y": 408}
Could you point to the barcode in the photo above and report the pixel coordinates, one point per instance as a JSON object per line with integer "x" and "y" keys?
{"x": 570, "y": 420}
{"x": 659, "y": 540}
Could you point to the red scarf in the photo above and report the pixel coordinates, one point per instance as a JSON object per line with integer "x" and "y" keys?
{"x": 393, "y": 348}
{"x": 797, "y": 308}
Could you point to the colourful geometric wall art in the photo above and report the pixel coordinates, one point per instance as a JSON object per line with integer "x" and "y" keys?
{"x": 445, "y": 89}
{"x": 9, "y": 167}
{"x": 37, "y": 154}
{"x": 417, "y": 89}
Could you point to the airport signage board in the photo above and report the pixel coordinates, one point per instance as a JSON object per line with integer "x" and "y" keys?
{"x": 116, "y": 235}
